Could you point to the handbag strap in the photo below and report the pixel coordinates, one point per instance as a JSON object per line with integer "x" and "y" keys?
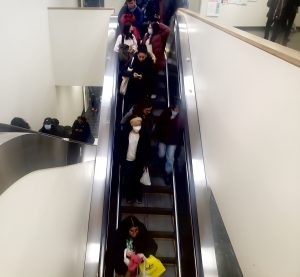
{"x": 144, "y": 271}
{"x": 123, "y": 39}
{"x": 131, "y": 61}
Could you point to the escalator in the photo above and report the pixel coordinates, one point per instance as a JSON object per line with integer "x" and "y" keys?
{"x": 165, "y": 210}
{"x": 181, "y": 227}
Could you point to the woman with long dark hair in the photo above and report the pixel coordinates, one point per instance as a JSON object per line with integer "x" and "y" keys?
{"x": 126, "y": 39}
{"x": 140, "y": 73}
{"x": 131, "y": 238}
{"x": 155, "y": 40}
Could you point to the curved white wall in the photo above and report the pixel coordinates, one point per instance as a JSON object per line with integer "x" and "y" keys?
{"x": 44, "y": 220}
{"x": 248, "y": 103}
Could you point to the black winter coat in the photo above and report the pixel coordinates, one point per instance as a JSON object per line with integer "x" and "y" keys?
{"x": 82, "y": 132}
{"x": 137, "y": 89}
{"x": 143, "y": 243}
{"x": 167, "y": 130}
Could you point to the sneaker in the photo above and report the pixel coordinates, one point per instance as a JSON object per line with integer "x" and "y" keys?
{"x": 129, "y": 201}
{"x": 139, "y": 201}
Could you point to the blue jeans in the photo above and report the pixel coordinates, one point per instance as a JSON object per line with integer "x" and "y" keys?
{"x": 167, "y": 151}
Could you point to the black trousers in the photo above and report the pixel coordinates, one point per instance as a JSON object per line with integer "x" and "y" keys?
{"x": 268, "y": 27}
{"x": 132, "y": 173}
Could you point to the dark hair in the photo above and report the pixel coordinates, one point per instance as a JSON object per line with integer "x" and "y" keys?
{"x": 19, "y": 122}
{"x": 81, "y": 117}
{"x": 126, "y": 30}
{"x": 155, "y": 27}
{"x": 129, "y": 222}
{"x": 55, "y": 121}
{"x": 145, "y": 103}
{"x": 48, "y": 120}
{"x": 175, "y": 102}
{"x": 142, "y": 49}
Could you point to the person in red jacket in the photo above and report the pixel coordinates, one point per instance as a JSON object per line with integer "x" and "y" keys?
{"x": 155, "y": 40}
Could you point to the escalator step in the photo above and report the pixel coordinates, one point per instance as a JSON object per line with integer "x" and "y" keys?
{"x": 146, "y": 210}
{"x": 163, "y": 234}
{"x": 158, "y": 189}
{"x": 168, "y": 260}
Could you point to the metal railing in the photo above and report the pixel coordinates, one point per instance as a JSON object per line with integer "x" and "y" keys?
{"x": 97, "y": 231}
{"x": 199, "y": 194}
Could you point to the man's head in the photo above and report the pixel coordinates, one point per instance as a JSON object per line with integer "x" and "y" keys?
{"x": 48, "y": 123}
{"x": 81, "y": 119}
{"x": 131, "y": 4}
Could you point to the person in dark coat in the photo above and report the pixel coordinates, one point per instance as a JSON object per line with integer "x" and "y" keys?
{"x": 150, "y": 8}
{"x": 133, "y": 236}
{"x": 270, "y": 15}
{"x": 283, "y": 13}
{"x": 143, "y": 110}
{"x": 131, "y": 8}
{"x": 168, "y": 132}
{"x": 140, "y": 73}
{"x": 60, "y": 130}
{"x": 134, "y": 157}
{"x": 81, "y": 130}
{"x": 157, "y": 36}
{"x": 290, "y": 12}
{"x": 49, "y": 127}
{"x": 19, "y": 122}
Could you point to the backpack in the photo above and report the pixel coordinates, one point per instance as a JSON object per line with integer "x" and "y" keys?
{"x": 124, "y": 54}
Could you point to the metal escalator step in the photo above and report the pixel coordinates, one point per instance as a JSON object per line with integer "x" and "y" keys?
{"x": 163, "y": 234}
{"x": 168, "y": 260}
{"x": 158, "y": 189}
{"x": 146, "y": 210}
{"x": 171, "y": 270}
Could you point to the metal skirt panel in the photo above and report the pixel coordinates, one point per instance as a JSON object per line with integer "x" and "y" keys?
{"x": 200, "y": 193}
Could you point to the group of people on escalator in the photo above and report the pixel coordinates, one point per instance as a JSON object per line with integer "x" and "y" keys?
{"x": 141, "y": 51}
{"x": 140, "y": 47}
{"x": 143, "y": 62}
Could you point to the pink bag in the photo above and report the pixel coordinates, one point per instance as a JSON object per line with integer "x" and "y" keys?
{"x": 135, "y": 260}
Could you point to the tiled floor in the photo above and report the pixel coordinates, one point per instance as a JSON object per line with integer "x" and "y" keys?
{"x": 294, "y": 42}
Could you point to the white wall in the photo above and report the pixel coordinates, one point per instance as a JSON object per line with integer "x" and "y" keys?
{"x": 116, "y": 4}
{"x": 44, "y": 220}
{"x": 252, "y": 14}
{"x": 248, "y": 103}
{"x": 78, "y": 43}
{"x": 194, "y": 5}
{"x": 62, "y": 3}
{"x": 26, "y": 78}
{"x": 69, "y": 104}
